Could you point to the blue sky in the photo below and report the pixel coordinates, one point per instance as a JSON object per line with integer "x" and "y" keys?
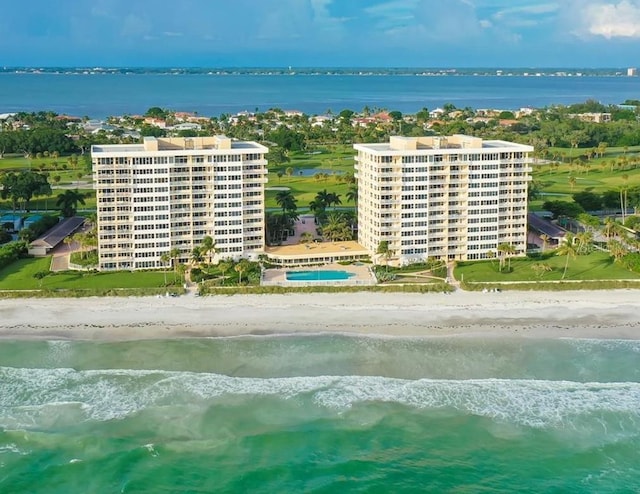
{"x": 421, "y": 33}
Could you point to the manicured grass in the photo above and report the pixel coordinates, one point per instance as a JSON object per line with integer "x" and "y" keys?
{"x": 20, "y": 276}
{"x": 610, "y": 152}
{"x": 53, "y": 166}
{"x": 554, "y": 183}
{"x": 594, "y": 266}
{"x": 597, "y": 179}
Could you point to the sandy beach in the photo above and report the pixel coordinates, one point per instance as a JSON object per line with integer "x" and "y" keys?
{"x": 583, "y": 314}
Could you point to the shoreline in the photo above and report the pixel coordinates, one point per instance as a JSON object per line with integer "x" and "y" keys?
{"x": 611, "y": 314}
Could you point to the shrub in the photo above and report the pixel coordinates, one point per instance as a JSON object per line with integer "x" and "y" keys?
{"x": 5, "y": 236}
{"x": 85, "y": 259}
{"x": 11, "y": 252}
{"x": 631, "y": 261}
{"x": 43, "y": 224}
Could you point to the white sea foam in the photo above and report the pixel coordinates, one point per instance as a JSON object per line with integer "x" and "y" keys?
{"x": 35, "y": 397}
{"x": 587, "y": 345}
{"x": 12, "y": 448}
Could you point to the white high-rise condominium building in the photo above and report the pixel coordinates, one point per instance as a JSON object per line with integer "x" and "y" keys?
{"x": 450, "y": 198}
{"x": 170, "y": 193}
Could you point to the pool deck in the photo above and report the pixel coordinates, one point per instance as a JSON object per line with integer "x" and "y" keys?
{"x": 362, "y": 276}
{"x": 321, "y": 253}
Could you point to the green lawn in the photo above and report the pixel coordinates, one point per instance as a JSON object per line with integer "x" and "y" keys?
{"x": 610, "y": 152}
{"x": 555, "y": 184}
{"x": 20, "y": 276}
{"x": 53, "y": 166}
{"x": 595, "y": 266}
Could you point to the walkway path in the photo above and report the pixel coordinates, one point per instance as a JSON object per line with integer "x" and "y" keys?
{"x": 60, "y": 261}
{"x": 451, "y": 279}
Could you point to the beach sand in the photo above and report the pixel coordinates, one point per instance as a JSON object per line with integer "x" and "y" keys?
{"x": 581, "y": 314}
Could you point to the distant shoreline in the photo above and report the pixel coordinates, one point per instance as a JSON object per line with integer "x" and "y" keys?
{"x": 577, "y": 314}
{"x": 356, "y": 72}
{"x": 80, "y": 91}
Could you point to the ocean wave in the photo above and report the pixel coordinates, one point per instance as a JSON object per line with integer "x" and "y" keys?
{"x": 587, "y": 345}
{"x": 42, "y": 397}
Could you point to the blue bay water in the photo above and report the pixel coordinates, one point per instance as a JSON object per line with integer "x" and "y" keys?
{"x": 102, "y": 95}
{"x": 320, "y": 413}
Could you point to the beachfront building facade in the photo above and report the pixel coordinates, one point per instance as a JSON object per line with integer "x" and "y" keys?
{"x": 448, "y": 198}
{"x": 167, "y": 194}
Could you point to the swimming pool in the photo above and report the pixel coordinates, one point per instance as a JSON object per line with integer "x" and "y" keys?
{"x": 318, "y": 275}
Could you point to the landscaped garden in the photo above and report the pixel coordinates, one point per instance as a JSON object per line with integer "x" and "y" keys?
{"x": 545, "y": 269}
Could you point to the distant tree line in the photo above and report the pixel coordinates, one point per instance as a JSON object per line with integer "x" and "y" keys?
{"x": 39, "y": 140}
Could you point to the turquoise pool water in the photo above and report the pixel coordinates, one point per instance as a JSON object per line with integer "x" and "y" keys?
{"x": 334, "y": 275}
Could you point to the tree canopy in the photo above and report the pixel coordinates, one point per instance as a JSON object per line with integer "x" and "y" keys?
{"x": 22, "y": 186}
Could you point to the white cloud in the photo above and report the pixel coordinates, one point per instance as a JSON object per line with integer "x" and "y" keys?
{"x": 611, "y": 19}
{"x": 538, "y": 9}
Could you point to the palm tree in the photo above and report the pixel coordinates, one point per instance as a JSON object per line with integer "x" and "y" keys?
{"x": 286, "y": 201}
{"x": 384, "y": 250}
{"x": 68, "y": 202}
{"x": 617, "y": 249}
{"x": 491, "y": 255}
{"x": 81, "y": 239}
{"x": 240, "y": 268}
{"x": 611, "y": 227}
{"x": 585, "y": 242}
{"x": 352, "y": 195}
{"x": 336, "y": 227}
{"x": 506, "y": 251}
{"x": 165, "y": 259}
{"x": 208, "y": 247}
{"x": 196, "y": 255}
{"x": 541, "y": 268}
{"x": 623, "y": 197}
{"x": 323, "y": 197}
{"x": 567, "y": 248}
{"x": 545, "y": 241}
{"x": 68, "y": 240}
{"x": 318, "y": 208}
{"x": 224, "y": 266}
{"x": 306, "y": 237}
{"x": 334, "y": 199}
{"x": 174, "y": 254}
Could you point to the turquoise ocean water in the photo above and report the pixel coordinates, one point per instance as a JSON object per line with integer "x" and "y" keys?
{"x": 320, "y": 413}
{"x": 99, "y": 96}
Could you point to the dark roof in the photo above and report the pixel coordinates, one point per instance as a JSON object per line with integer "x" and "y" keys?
{"x": 55, "y": 235}
{"x": 545, "y": 226}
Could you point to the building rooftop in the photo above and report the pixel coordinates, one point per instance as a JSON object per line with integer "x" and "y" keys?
{"x": 437, "y": 143}
{"x": 153, "y": 144}
{"x": 55, "y": 235}
{"x": 117, "y": 148}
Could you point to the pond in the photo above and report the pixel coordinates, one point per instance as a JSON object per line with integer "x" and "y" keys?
{"x": 310, "y": 172}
